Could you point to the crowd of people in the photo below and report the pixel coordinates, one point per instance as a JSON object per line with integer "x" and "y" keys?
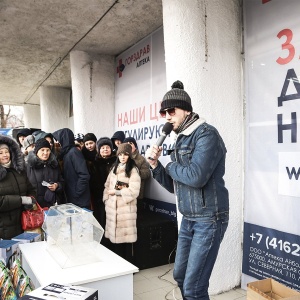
{"x": 63, "y": 167}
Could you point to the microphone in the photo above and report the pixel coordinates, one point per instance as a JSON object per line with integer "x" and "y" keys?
{"x": 165, "y": 131}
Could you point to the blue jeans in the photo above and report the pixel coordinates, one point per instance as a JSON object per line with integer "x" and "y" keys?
{"x": 197, "y": 250}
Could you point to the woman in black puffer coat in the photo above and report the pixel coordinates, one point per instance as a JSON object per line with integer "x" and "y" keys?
{"x": 43, "y": 166}
{"x": 99, "y": 171}
{"x": 14, "y": 187}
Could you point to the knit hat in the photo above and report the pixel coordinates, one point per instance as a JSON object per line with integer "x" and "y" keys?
{"x": 177, "y": 97}
{"x": 28, "y": 141}
{"x": 131, "y": 140}
{"x": 89, "y": 137}
{"x": 78, "y": 137}
{"x": 4, "y": 146}
{"x": 124, "y": 148}
{"x": 104, "y": 141}
{"x": 41, "y": 143}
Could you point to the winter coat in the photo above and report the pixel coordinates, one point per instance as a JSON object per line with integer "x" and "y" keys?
{"x": 196, "y": 172}
{"x": 144, "y": 170}
{"x": 88, "y": 155}
{"x": 75, "y": 171}
{"x": 49, "y": 171}
{"x": 121, "y": 211}
{"x": 99, "y": 172}
{"x": 13, "y": 184}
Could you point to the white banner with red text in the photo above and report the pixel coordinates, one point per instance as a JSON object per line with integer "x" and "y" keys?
{"x": 140, "y": 84}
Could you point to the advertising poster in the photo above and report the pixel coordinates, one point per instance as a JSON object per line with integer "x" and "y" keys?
{"x": 271, "y": 246}
{"x": 140, "y": 84}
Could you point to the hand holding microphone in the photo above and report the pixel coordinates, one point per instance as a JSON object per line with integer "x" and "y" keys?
{"x": 153, "y": 153}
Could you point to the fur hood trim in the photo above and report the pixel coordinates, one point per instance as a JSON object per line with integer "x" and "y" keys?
{"x": 16, "y": 156}
{"x": 34, "y": 162}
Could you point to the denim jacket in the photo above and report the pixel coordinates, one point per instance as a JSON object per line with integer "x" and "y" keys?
{"x": 196, "y": 172}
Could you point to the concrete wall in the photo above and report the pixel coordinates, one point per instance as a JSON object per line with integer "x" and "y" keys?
{"x": 93, "y": 93}
{"x": 32, "y": 116}
{"x": 55, "y": 103}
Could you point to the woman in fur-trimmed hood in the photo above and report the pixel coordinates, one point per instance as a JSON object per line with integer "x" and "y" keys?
{"x": 14, "y": 187}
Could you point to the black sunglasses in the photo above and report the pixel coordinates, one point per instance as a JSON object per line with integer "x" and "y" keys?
{"x": 170, "y": 111}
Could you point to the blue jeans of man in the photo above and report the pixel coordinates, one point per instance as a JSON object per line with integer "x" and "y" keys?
{"x": 197, "y": 250}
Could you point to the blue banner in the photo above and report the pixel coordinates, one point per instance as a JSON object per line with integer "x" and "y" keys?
{"x": 160, "y": 207}
{"x": 5, "y": 131}
{"x": 270, "y": 253}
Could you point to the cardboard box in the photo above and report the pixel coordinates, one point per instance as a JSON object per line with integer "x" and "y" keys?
{"x": 9, "y": 250}
{"x": 59, "y": 291}
{"x": 27, "y": 237}
{"x": 270, "y": 289}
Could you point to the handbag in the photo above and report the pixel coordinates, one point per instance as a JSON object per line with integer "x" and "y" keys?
{"x": 32, "y": 218}
{"x": 120, "y": 184}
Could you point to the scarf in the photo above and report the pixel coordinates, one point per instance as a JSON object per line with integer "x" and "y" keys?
{"x": 7, "y": 165}
{"x": 121, "y": 166}
{"x": 89, "y": 155}
{"x": 188, "y": 121}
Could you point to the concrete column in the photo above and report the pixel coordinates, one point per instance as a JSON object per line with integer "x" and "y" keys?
{"x": 203, "y": 49}
{"x": 93, "y": 93}
{"x": 55, "y": 108}
{"x": 32, "y": 116}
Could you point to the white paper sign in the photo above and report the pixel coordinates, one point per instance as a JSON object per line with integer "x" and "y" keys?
{"x": 289, "y": 174}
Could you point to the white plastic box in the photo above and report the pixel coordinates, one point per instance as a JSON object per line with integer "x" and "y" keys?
{"x": 73, "y": 235}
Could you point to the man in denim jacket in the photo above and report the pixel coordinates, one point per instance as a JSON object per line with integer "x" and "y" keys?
{"x": 195, "y": 175}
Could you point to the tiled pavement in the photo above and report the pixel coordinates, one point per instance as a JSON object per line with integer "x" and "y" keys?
{"x": 158, "y": 284}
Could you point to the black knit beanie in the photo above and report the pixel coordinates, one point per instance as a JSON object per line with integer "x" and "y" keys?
{"x": 89, "y": 137}
{"x": 177, "y": 97}
{"x": 41, "y": 143}
{"x": 104, "y": 141}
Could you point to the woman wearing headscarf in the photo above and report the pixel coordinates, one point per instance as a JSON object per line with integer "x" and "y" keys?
{"x": 16, "y": 191}
{"x": 44, "y": 173}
